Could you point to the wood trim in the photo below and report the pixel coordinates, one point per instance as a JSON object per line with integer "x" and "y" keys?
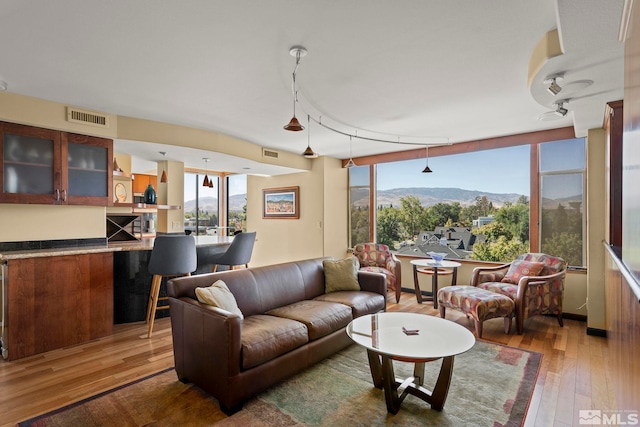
{"x": 373, "y": 208}
{"x": 469, "y": 146}
{"x": 534, "y": 200}
{"x": 613, "y": 124}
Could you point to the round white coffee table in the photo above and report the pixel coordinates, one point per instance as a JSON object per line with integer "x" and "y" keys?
{"x": 433, "y": 268}
{"x": 383, "y": 336}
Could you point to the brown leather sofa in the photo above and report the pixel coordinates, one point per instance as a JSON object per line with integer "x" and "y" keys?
{"x": 289, "y": 324}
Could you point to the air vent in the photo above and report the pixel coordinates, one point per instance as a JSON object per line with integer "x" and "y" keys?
{"x": 269, "y": 153}
{"x": 87, "y": 117}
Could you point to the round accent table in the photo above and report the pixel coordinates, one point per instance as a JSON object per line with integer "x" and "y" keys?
{"x": 385, "y": 339}
{"x": 434, "y": 268}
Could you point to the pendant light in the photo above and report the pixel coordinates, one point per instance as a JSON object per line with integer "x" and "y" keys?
{"x": 350, "y": 163}
{"x": 206, "y": 182}
{"x": 294, "y": 125}
{"x": 309, "y": 153}
{"x": 427, "y": 169}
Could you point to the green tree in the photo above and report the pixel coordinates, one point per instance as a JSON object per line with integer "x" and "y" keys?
{"x": 359, "y": 225}
{"x": 388, "y": 226}
{"x": 498, "y": 250}
{"x": 565, "y": 245}
{"x": 515, "y": 218}
{"x": 441, "y": 214}
{"x": 412, "y": 215}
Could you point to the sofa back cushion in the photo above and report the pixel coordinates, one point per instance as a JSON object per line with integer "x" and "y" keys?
{"x": 260, "y": 289}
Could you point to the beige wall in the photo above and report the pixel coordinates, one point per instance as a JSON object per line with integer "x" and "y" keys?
{"x": 322, "y": 227}
{"x": 596, "y": 224}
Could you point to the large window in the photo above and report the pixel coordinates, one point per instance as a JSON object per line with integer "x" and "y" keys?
{"x": 359, "y": 204}
{"x": 201, "y": 207}
{"x": 474, "y": 205}
{"x": 237, "y": 203}
{"x": 562, "y": 177}
{"x": 489, "y": 205}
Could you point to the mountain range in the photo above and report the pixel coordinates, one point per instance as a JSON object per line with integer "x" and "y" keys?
{"x": 431, "y": 196}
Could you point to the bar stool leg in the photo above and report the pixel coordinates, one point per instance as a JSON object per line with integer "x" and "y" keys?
{"x": 153, "y": 302}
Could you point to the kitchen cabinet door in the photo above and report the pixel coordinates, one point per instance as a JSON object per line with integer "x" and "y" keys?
{"x": 87, "y": 174}
{"x": 29, "y": 164}
{"x": 51, "y": 167}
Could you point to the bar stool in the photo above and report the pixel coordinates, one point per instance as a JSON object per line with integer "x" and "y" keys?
{"x": 238, "y": 253}
{"x": 172, "y": 255}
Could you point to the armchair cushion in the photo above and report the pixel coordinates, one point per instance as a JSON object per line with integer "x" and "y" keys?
{"x": 219, "y": 295}
{"x": 521, "y": 268}
{"x": 341, "y": 275}
{"x": 377, "y": 258}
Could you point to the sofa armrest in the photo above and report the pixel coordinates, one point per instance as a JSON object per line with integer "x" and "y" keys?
{"x": 373, "y": 282}
{"x": 206, "y": 342}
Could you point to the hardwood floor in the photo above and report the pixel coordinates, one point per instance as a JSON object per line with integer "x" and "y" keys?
{"x": 573, "y": 374}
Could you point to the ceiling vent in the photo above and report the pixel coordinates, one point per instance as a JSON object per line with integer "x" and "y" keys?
{"x": 269, "y": 153}
{"x": 87, "y": 117}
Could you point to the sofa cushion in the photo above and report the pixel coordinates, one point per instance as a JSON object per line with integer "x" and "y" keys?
{"x": 361, "y": 302}
{"x": 341, "y": 275}
{"x": 267, "y": 337}
{"x": 520, "y": 268}
{"x": 320, "y": 317}
{"x": 218, "y": 295}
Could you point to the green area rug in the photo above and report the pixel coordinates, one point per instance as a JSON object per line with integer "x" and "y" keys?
{"x": 491, "y": 386}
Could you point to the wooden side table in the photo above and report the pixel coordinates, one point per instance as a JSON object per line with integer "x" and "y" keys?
{"x": 429, "y": 266}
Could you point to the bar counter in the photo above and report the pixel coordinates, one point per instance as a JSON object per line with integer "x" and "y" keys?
{"x": 132, "y": 281}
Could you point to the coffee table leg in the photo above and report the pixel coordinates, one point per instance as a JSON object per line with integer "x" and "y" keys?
{"x": 376, "y": 368}
{"x": 441, "y": 389}
{"x": 390, "y": 386}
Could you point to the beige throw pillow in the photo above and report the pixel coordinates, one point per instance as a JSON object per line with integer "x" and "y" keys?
{"x": 219, "y": 295}
{"x": 341, "y": 275}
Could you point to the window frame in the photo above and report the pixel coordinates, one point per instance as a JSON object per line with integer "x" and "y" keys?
{"x": 533, "y": 139}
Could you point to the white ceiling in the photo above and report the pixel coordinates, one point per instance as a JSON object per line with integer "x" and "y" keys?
{"x": 435, "y": 69}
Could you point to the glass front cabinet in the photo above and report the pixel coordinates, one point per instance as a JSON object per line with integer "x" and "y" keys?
{"x": 52, "y": 167}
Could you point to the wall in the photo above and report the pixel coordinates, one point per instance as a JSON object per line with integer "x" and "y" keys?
{"x": 596, "y": 228}
{"x": 322, "y": 229}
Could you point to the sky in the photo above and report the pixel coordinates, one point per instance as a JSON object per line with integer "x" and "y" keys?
{"x": 494, "y": 171}
{"x": 237, "y": 185}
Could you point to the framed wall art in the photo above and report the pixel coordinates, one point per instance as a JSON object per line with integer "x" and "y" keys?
{"x": 281, "y": 203}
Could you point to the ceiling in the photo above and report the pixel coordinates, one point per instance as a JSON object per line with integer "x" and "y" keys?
{"x": 422, "y": 71}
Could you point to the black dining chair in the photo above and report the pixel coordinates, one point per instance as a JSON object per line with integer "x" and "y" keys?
{"x": 238, "y": 253}
{"x": 172, "y": 255}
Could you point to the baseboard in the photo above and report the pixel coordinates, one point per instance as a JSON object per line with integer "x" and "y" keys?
{"x": 572, "y": 316}
{"x": 597, "y": 332}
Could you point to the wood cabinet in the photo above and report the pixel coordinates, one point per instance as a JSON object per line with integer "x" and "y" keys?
{"x": 46, "y": 166}
{"x": 54, "y": 302}
{"x": 142, "y": 181}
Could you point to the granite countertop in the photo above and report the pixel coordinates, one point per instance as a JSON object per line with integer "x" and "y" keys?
{"x": 138, "y": 245}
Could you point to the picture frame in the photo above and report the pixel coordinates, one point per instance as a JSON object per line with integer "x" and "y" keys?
{"x": 281, "y": 203}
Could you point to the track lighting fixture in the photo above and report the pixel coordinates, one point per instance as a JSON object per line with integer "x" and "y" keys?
{"x": 350, "y": 163}
{"x": 309, "y": 153}
{"x": 556, "y": 114}
{"x": 560, "y": 110}
{"x": 427, "y": 169}
{"x": 554, "y": 88}
{"x": 294, "y": 125}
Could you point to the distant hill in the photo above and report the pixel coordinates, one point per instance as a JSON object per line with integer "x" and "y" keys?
{"x": 431, "y": 196}
{"x": 236, "y": 203}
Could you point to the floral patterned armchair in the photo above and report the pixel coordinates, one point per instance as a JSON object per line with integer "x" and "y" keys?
{"x": 377, "y": 258}
{"x": 535, "y": 282}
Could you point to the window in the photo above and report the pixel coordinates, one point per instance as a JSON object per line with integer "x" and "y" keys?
{"x": 359, "y": 204}
{"x": 474, "y": 205}
{"x": 562, "y": 181}
{"x": 237, "y": 203}
{"x": 201, "y": 206}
